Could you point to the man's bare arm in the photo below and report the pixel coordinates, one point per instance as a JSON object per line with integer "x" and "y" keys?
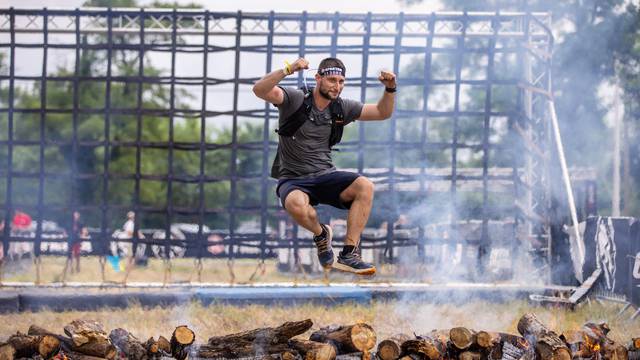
{"x": 267, "y": 89}
{"x": 384, "y": 108}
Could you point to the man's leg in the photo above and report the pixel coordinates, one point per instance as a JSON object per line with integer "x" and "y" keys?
{"x": 297, "y": 205}
{"x": 360, "y": 194}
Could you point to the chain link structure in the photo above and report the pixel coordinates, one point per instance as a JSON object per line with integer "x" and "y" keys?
{"x": 472, "y": 89}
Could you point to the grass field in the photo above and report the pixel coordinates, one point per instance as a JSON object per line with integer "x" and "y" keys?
{"x": 387, "y": 318}
{"x": 182, "y": 270}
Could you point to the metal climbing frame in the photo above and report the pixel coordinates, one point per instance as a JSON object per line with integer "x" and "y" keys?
{"x": 470, "y": 125}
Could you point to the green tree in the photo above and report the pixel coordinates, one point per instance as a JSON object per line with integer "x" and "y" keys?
{"x": 88, "y": 156}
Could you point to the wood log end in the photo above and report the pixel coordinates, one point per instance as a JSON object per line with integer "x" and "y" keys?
{"x": 388, "y": 350}
{"x": 363, "y": 337}
{"x": 484, "y": 339}
{"x": 7, "y": 352}
{"x": 469, "y": 355}
{"x": 183, "y": 335}
{"x": 164, "y": 344}
{"x": 561, "y": 354}
{"x": 48, "y": 346}
{"x": 288, "y": 355}
{"x": 324, "y": 352}
{"x": 461, "y": 337}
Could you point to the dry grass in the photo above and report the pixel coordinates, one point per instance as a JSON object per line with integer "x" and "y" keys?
{"x": 387, "y": 318}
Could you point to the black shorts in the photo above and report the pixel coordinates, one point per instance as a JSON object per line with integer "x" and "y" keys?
{"x": 324, "y": 189}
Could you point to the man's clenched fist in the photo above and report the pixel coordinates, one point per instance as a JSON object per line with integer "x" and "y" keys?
{"x": 299, "y": 64}
{"x": 388, "y": 79}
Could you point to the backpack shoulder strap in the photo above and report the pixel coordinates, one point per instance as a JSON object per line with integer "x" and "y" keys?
{"x": 297, "y": 119}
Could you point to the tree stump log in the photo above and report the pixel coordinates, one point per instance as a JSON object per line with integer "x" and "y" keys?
{"x": 181, "y": 341}
{"x": 391, "y": 348}
{"x": 548, "y": 344}
{"x": 313, "y": 350}
{"x": 128, "y": 344}
{"x": 347, "y": 339}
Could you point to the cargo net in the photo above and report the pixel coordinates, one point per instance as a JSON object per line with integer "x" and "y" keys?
{"x": 144, "y": 123}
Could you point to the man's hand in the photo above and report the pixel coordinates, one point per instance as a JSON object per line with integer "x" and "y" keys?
{"x": 299, "y": 64}
{"x": 388, "y": 79}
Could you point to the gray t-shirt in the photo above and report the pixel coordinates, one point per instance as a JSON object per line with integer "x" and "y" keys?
{"x": 306, "y": 153}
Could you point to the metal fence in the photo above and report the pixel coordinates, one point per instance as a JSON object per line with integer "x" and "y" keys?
{"x": 107, "y": 111}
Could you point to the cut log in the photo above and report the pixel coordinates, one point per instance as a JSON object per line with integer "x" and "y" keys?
{"x": 164, "y": 344}
{"x": 277, "y": 335}
{"x": 7, "y": 352}
{"x": 489, "y": 344}
{"x": 486, "y": 339}
{"x": 425, "y": 347}
{"x": 289, "y": 355}
{"x": 89, "y": 338}
{"x": 157, "y": 349}
{"x": 48, "y": 346}
{"x": 391, "y": 348}
{"x": 347, "y": 339}
{"x": 25, "y": 345}
{"x": 221, "y": 350}
{"x": 511, "y": 351}
{"x": 66, "y": 344}
{"x": 469, "y": 355}
{"x": 181, "y": 341}
{"x": 72, "y": 355}
{"x": 98, "y": 349}
{"x": 548, "y": 344}
{"x": 313, "y": 350}
{"x": 30, "y": 345}
{"x": 128, "y": 344}
{"x": 461, "y": 338}
{"x": 85, "y": 331}
{"x": 153, "y": 350}
{"x": 411, "y": 357}
{"x": 579, "y": 344}
{"x": 634, "y": 344}
{"x": 615, "y": 352}
{"x": 592, "y": 341}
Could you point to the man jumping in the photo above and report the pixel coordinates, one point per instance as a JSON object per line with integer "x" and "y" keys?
{"x": 311, "y": 121}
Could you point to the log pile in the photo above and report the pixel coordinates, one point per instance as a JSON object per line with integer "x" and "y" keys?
{"x": 88, "y": 340}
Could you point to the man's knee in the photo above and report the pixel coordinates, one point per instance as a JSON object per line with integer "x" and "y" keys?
{"x": 296, "y": 202}
{"x": 364, "y": 187}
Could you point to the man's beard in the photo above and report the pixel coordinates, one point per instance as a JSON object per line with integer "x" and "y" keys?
{"x": 325, "y": 94}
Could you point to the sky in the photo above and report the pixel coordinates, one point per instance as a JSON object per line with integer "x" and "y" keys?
{"x": 353, "y": 6}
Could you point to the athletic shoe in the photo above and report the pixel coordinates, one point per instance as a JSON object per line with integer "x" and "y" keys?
{"x": 353, "y": 263}
{"x": 323, "y": 243}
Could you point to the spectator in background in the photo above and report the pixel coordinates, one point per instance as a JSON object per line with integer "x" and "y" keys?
{"x": 77, "y": 232}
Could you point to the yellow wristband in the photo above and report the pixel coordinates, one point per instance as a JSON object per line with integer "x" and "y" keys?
{"x": 287, "y": 68}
